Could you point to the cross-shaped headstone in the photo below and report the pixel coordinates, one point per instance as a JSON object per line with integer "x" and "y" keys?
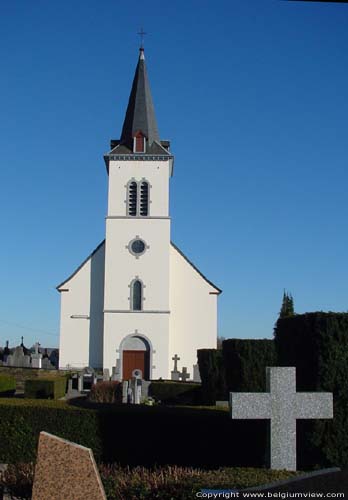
{"x": 283, "y": 406}
{"x": 176, "y": 359}
{"x": 184, "y": 375}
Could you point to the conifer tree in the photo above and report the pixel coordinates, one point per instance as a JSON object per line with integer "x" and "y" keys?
{"x": 287, "y": 308}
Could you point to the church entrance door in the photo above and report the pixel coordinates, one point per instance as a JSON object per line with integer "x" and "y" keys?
{"x": 135, "y": 360}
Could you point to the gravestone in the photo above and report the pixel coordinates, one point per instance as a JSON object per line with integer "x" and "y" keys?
{"x": 196, "y": 374}
{"x": 47, "y": 365}
{"x": 184, "y": 375}
{"x": 106, "y": 374}
{"x": 18, "y": 358}
{"x": 283, "y": 406}
{"x": 65, "y": 470}
{"x": 36, "y": 357}
{"x": 175, "y": 374}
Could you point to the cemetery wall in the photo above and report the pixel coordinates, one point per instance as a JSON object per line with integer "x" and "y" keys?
{"x": 317, "y": 345}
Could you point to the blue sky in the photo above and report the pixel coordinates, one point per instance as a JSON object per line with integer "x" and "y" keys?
{"x": 253, "y": 96}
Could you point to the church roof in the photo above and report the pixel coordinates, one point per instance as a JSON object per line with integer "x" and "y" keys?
{"x": 59, "y": 287}
{"x": 218, "y": 290}
{"x": 140, "y": 119}
{"x": 140, "y": 114}
{"x": 79, "y": 267}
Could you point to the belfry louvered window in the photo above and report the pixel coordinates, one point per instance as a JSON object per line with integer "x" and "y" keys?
{"x": 136, "y": 295}
{"x": 138, "y": 198}
{"x": 132, "y": 198}
{"x": 144, "y": 198}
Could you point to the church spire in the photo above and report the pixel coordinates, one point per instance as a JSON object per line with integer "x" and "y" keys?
{"x": 140, "y": 115}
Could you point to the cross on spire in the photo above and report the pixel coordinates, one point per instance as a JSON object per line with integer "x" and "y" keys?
{"x": 141, "y": 33}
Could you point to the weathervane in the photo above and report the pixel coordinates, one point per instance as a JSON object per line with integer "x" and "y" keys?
{"x": 141, "y": 33}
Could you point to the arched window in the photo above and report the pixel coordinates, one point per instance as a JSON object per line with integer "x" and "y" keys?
{"x": 136, "y": 295}
{"x": 132, "y": 198}
{"x": 144, "y": 198}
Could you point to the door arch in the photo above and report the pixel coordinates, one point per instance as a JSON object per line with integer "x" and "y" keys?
{"x": 135, "y": 353}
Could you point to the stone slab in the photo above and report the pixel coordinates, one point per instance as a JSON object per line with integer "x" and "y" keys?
{"x": 65, "y": 470}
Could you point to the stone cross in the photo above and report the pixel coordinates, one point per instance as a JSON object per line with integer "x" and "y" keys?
{"x": 37, "y": 345}
{"x": 176, "y": 359}
{"x": 184, "y": 375}
{"x": 283, "y": 406}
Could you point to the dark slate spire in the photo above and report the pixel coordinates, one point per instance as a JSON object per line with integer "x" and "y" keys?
{"x": 140, "y": 114}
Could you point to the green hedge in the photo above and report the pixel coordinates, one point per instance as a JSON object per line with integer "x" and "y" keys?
{"x": 7, "y": 385}
{"x": 317, "y": 344}
{"x": 245, "y": 363}
{"x": 212, "y": 374}
{"x": 49, "y": 388}
{"x": 175, "y": 435}
{"x": 22, "y": 420}
{"x": 176, "y": 392}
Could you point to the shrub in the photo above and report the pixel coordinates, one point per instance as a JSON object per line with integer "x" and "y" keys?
{"x": 7, "y": 385}
{"x": 317, "y": 345}
{"x": 171, "y": 392}
{"x": 106, "y": 392}
{"x": 18, "y": 480}
{"x": 49, "y": 388}
{"x": 245, "y": 363}
{"x": 22, "y": 420}
{"x": 212, "y": 373}
{"x": 176, "y": 433}
{"x": 166, "y": 483}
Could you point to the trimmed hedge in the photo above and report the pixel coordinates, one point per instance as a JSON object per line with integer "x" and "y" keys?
{"x": 176, "y": 392}
{"x": 212, "y": 374}
{"x": 7, "y": 385}
{"x": 317, "y": 344}
{"x": 176, "y": 435}
{"x": 245, "y": 363}
{"x": 49, "y": 388}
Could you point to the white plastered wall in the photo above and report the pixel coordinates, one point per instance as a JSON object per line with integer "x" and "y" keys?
{"x": 153, "y": 326}
{"x": 82, "y": 296}
{"x": 193, "y": 318}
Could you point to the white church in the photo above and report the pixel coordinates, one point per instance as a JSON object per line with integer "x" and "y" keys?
{"x": 137, "y": 301}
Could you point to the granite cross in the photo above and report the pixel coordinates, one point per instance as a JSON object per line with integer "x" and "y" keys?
{"x": 176, "y": 359}
{"x": 184, "y": 375}
{"x": 282, "y": 405}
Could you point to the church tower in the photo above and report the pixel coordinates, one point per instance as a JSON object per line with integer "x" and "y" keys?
{"x": 137, "y": 244}
{"x": 137, "y": 301}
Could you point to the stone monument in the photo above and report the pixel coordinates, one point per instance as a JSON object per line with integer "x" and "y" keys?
{"x": 282, "y": 405}
{"x": 65, "y": 470}
{"x": 175, "y": 374}
{"x": 36, "y": 357}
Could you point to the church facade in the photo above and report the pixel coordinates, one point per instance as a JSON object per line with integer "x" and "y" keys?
{"x": 137, "y": 300}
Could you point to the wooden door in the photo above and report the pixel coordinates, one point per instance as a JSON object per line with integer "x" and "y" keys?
{"x": 133, "y": 360}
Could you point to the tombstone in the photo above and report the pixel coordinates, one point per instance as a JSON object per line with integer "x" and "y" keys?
{"x": 106, "y": 374}
{"x": 88, "y": 378}
{"x": 125, "y": 384}
{"x": 36, "y": 357}
{"x": 54, "y": 358}
{"x": 175, "y": 374}
{"x": 184, "y": 375}
{"x": 283, "y": 406}
{"x": 65, "y": 470}
{"x": 46, "y": 364}
{"x": 196, "y": 374}
{"x": 18, "y": 358}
